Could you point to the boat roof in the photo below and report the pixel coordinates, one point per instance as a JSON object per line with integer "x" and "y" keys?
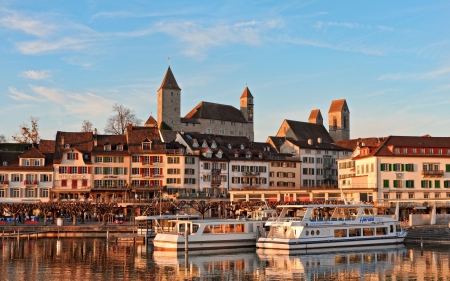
{"x": 208, "y": 221}
{"x": 326, "y": 206}
{"x": 165, "y": 217}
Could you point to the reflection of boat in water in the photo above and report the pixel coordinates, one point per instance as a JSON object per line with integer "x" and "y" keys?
{"x": 329, "y": 226}
{"x": 349, "y": 263}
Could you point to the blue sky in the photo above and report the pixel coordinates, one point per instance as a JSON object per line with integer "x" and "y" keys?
{"x": 67, "y": 61}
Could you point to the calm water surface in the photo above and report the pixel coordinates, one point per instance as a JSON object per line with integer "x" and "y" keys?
{"x": 96, "y": 259}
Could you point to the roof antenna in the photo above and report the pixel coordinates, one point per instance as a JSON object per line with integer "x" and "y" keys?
{"x": 168, "y": 60}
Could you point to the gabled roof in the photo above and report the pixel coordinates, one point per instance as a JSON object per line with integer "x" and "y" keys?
{"x": 317, "y": 146}
{"x": 209, "y": 110}
{"x": 315, "y": 114}
{"x": 353, "y": 143}
{"x": 169, "y": 81}
{"x": 137, "y": 134}
{"x": 151, "y": 122}
{"x": 246, "y": 93}
{"x": 12, "y": 158}
{"x": 81, "y": 141}
{"x": 338, "y": 105}
{"x": 302, "y": 131}
{"x": 168, "y": 136}
{"x": 32, "y": 153}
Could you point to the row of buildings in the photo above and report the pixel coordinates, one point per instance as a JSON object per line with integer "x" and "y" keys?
{"x": 211, "y": 152}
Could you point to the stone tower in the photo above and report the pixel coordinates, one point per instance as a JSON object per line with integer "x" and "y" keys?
{"x": 339, "y": 120}
{"x": 315, "y": 117}
{"x": 169, "y": 103}
{"x": 247, "y": 104}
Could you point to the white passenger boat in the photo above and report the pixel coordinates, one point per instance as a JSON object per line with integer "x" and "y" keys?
{"x": 328, "y": 226}
{"x": 205, "y": 235}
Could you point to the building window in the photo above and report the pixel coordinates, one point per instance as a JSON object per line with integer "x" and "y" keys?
{"x": 426, "y": 195}
{"x": 208, "y": 131}
{"x": 410, "y": 195}
{"x": 207, "y": 166}
{"x": 146, "y": 145}
{"x": 16, "y": 192}
{"x": 119, "y": 147}
{"x": 437, "y": 195}
{"x": 222, "y": 132}
{"x": 63, "y": 183}
{"x": 108, "y": 147}
{"x": 189, "y": 160}
{"x": 437, "y": 184}
{"x": 71, "y": 156}
{"x": 425, "y": 184}
{"x": 173, "y": 160}
{"x": 385, "y": 195}
{"x": 409, "y": 184}
{"x": 447, "y": 184}
{"x": 397, "y": 183}
{"x": 211, "y": 121}
{"x": 398, "y": 196}
{"x": 98, "y": 159}
{"x": 386, "y": 183}
{"x": 414, "y": 150}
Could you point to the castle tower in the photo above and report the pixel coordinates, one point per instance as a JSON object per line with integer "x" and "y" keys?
{"x": 315, "y": 117}
{"x": 339, "y": 120}
{"x": 169, "y": 103}
{"x": 247, "y": 104}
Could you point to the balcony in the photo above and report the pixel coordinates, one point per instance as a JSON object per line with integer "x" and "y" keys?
{"x": 250, "y": 174}
{"x": 433, "y": 173}
{"x": 327, "y": 166}
{"x": 30, "y": 183}
{"x": 216, "y": 182}
{"x": 4, "y": 183}
{"x": 216, "y": 171}
{"x": 251, "y": 185}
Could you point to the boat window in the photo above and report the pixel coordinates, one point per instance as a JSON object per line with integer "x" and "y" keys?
{"x": 340, "y": 233}
{"x": 368, "y": 232}
{"x": 398, "y": 228}
{"x": 218, "y": 228}
{"x": 369, "y": 258}
{"x": 307, "y": 233}
{"x": 229, "y": 228}
{"x": 353, "y": 232}
{"x": 354, "y": 212}
{"x": 182, "y": 228}
{"x": 318, "y": 232}
{"x": 312, "y": 232}
{"x": 391, "y": 228}
{"x": 239, "y": 228}
{"x": 207, "y": 229}
{"x": 368, "y": 212}
{"x": 195, "y": 228}
{"x": 354, "y": 258}
{"x": 382, "y": 230}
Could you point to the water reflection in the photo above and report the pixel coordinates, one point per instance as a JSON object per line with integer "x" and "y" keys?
{"x": 96, "y": 259}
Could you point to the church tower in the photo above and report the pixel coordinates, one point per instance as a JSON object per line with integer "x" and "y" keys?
{"x": 315, "y": 117}
{"x": 247, "y": 105}
{"x": 169, "y": 103}
{"x": 339, "y": 120}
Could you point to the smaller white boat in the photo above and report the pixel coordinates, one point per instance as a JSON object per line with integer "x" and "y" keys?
{"x": 203, "y": 235}
{"x": 307, "y": 227}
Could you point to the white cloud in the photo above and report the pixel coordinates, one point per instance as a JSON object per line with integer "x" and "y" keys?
{"x": 351, "y": 25}
{"x": 54, "y": 95}
{"x": 27, "y": 24}
{"x": 435, "y": 74}
{"x": 20, "y": 96}
{"x": 37, "y": 75}
{"x": 41, "y": 46}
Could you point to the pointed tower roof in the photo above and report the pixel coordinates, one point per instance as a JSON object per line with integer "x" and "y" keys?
{"x": 338, "y": 106}
{"x": 315, "y": 113}
{"x": 246, "y": 93}
{"x": 151, "y": 122}
{"x": 169, "y": 81}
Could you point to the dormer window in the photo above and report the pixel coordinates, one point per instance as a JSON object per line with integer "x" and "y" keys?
{"x": 229, "y": 146}
{"x": 208, "y": 154}
{"x": 204, "y": 144}
{"x": 119, "y": 147}
{"x": 195, "y": 143}
{"x": 242, "y": 147}
{"x": 25, "y": 162}
{"x": 219, "y": 154}
{"x": 107, "y": 147}
{"x": 67, "y": 146}
{"x": 236, "y": 155}
{"x": 213, "y": 145}
{"x": 37, "y": 162}
{"x": 146, "y": 145}
{"x": 5, "y": 163}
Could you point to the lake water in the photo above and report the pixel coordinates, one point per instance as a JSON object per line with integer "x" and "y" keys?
{"x": 97, "y": 259}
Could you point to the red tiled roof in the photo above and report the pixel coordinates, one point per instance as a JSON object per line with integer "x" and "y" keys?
{"x": 353, "y": 143}
{"x": 315, "y": 113}
{"x": 137, "y": 135}
{"x": 12, "y": 158}
{"x": 47, "y": 146}
{"x": 151, "y": 122}
{"x": 338, "y": 105}
{"x": 112, "y": 140}
{"x": 32, "y": 153}
{"x": 169, "y": 81}
{"x": 81, "y": 141}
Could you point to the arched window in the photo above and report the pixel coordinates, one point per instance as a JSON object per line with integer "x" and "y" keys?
{"x": 334, "y": 121}
{"x": 345, "y": 122}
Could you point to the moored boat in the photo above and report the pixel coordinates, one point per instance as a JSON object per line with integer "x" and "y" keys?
{"x": 329, "y": 226}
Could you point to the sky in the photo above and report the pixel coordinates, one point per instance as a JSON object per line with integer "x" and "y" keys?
{"x": 69, "y": 61}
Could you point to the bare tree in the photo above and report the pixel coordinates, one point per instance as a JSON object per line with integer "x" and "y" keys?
{"x": 202, "y": 207}
{"x": 105, "y": 210}
{"x": 46, "y": 207}
{"x": 86, "y": 126}
{"x": 2, "y": 139}
{"x": 117, "y": 123}
{"x": 29, "y": 133}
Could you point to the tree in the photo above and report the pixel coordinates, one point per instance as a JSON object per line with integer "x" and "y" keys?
{"x": 202, "y": 207}
{"x": 2, "y": 139}
{"x": 105, "y": 210}
{"x": 28, "y": 134}
{"x": 117, "y": 123}
{"x": 46, "y": 207}
{"x": 86, "y": 126}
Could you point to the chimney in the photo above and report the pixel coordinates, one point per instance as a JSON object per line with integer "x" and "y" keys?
{"x": 62, "y": 140}
{"x": 95, "y": 131}
{"x": 129, "y": 127}
{"x": 319, "y": 140}
{"x": 95, "y": 139}
{"x": 310, "y": 141}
